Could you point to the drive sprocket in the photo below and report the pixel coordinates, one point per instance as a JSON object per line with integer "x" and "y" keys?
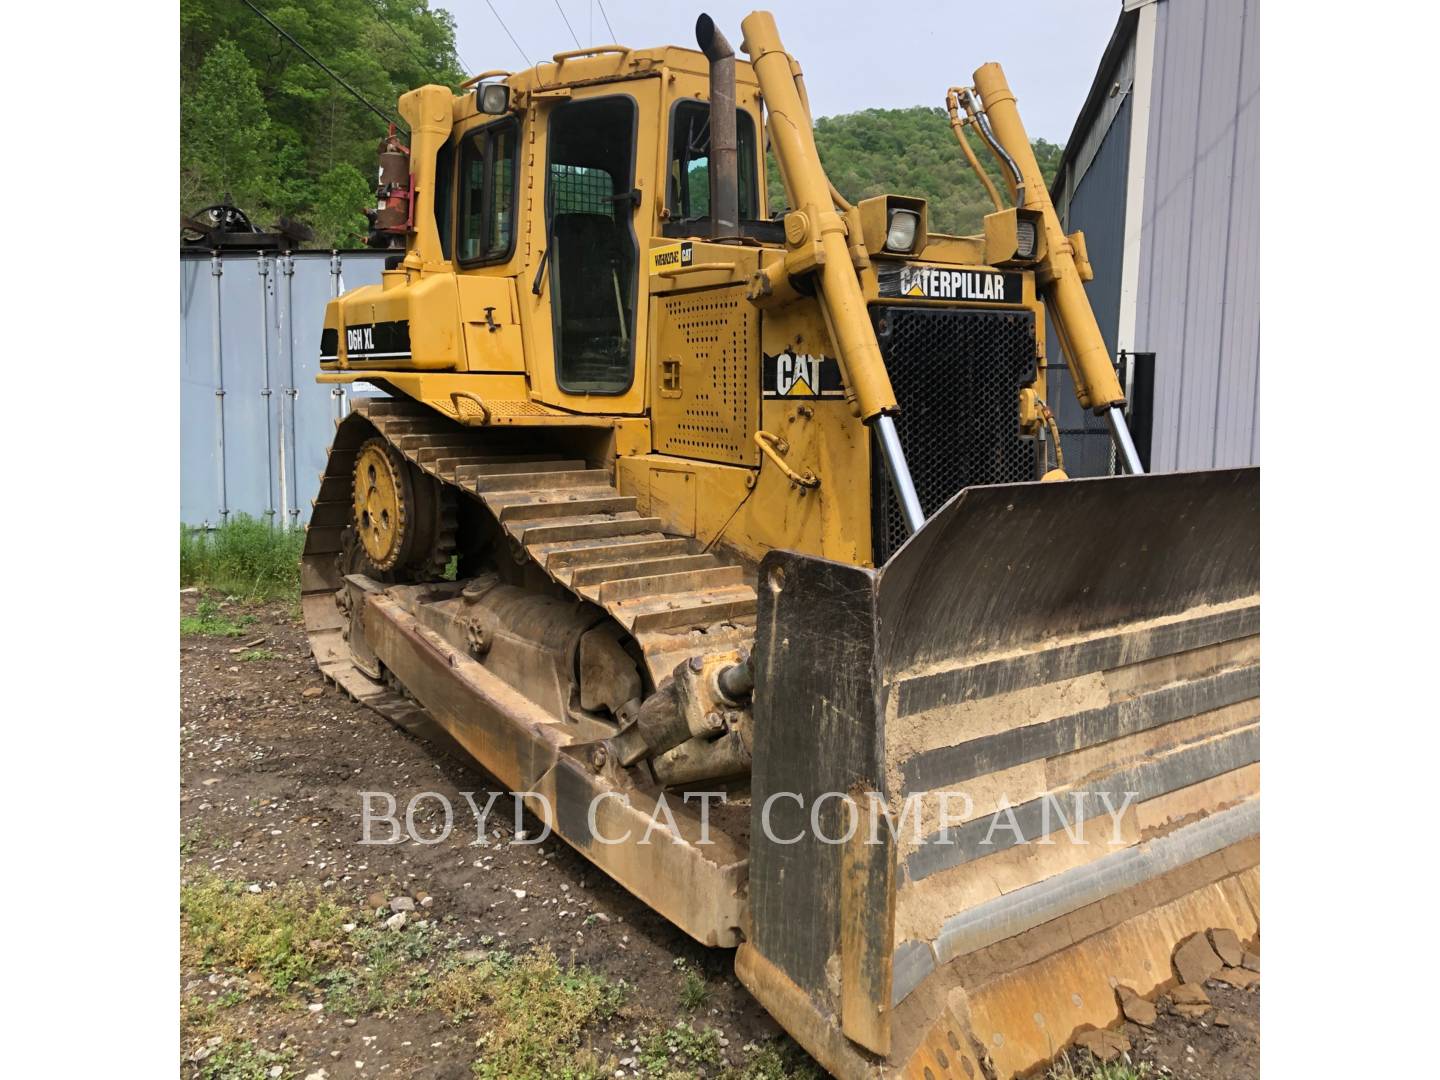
{"x": 403, "y": 521}
{"x": 384, "y": 501}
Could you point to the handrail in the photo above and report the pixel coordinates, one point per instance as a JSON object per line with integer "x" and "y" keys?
{"x": 469, "y": 421}
{"x": 697, "y": 268}
{"x": 483, "y": 76}
{"x": 593, "y": 50}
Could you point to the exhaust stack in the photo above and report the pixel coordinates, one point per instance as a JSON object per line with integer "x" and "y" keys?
{"x": 724, "y": 165}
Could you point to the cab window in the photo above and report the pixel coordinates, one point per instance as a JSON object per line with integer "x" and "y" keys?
{"x": 593, "y": 252}
{"x": 487, "y": 194}
{"x": 688, "y": 194}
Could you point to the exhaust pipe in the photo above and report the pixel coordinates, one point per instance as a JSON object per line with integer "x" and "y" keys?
{"x": 724, "y": 162}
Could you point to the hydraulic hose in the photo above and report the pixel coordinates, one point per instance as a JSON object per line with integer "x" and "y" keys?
{"x": 957, "y": 125}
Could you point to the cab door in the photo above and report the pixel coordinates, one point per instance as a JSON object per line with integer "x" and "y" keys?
{"x": 590, "y": 269}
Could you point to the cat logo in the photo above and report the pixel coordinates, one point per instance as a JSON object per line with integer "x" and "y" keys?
{"x": 671, "y": 256}
{"x": 801, "y": 375}
{"x": 797, "y": 376}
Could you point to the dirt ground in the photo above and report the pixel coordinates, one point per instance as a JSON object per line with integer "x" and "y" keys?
{"x": 272, "y": 763}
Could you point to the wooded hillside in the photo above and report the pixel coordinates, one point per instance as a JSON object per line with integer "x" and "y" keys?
{"x": 911, "y": 152}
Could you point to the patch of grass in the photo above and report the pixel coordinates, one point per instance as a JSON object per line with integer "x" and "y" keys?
{"x": 781, "y": 1059}
{"x": 1091, "y": 1069}
{"x": 250, "y": 656}
{"x": 202, "y": 1017}
{"x": 210, "y": 621}
{"x": 664, "y": 1053}
{"x": 384, "y": 971}
{"x": 286, "y": 936}
{"x": 294, "y": 944}
{"x": 245, "y": 557}
{"x": 241, "y": 1059}
{"x": 694, "y": 991}
{"x": 535, "y": 1011}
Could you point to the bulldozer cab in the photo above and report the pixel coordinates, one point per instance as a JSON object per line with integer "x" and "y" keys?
{"x": 545, "y": 217}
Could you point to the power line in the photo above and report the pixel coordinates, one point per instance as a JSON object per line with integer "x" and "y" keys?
{"x": 424, "y": 63}
{"x": 379, "y": 12}
{"x": 507, "y": 32}
{"x": 561, "y": 10}
{"x": 321, "y": 65}
{"x": 613, "y": 38}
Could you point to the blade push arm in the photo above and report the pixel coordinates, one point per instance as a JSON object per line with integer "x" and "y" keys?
{"x": 816, "y": 233}
{"x": 1096, "y": 385}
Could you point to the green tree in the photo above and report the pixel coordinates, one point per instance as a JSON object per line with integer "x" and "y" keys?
{"x": 286, "y": 156}
{"x": 909, "y": 152}
{"x": 226, "y": 141}
{"x": 338, "y": 218}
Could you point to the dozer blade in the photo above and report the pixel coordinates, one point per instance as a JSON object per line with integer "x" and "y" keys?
{"x": 1005, "y": 773}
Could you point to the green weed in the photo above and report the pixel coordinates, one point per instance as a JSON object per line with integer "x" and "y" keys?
{"x": 250, "y": 656}
{"x": 694, "y": 991}
{"x": 535, "y": 1011}
{"x": 210, "y": 621}
{"x": 384, "y": 972}
{"x": 240, "y": 1059}
{"x": 1091, "y": 1069}
{"x": 781, "y": 1059}
{"x": 664, "y": 1053}
{"x": 244, "y": 557}
{"x": 287, "y": 936}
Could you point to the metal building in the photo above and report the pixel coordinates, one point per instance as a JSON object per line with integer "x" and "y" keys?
{"x": 254, "y": 424}
{"x": 1162, "y": 174}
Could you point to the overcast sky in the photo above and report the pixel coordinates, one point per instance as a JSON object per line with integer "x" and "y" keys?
{"x": 1049, "y": 48}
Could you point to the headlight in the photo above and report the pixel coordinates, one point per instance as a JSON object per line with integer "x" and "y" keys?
{"x": 1025, "y": 239}
{"x": 492, "y": 98}
{"x": 901, "y": 234}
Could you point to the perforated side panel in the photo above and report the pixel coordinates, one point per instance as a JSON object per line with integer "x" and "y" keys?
{"x": 713, "y": 412}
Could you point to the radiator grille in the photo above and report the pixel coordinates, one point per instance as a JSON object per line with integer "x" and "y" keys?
{"x": 957, "y": 374}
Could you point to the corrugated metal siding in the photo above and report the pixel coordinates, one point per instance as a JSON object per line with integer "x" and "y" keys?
{"x": 269, "y": 341}
{"x": 1121, "y": 75}
{"x": 1098, "y": 209}
{"x": 1198, "y": 307}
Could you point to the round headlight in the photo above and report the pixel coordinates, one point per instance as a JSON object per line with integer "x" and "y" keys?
{"x": 901, "y": 234}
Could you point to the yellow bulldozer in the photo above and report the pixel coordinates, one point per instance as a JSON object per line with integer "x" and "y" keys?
{"x": 737, "y": 542}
